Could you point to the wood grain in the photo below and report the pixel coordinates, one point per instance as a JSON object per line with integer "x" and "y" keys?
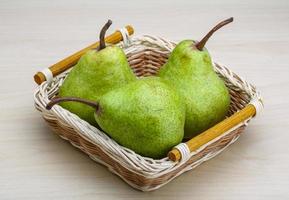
{"x": 36, "y": 164}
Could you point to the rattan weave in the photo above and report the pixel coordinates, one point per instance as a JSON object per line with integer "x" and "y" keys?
{"x": 146, "y": 54}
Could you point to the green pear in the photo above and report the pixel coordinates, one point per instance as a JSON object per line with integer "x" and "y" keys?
{"x": 97, "y": 72}
{"x": 189, "y": 69}
{"x": 147, "y": 116}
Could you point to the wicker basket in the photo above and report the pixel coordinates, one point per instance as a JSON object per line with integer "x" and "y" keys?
{"x": 146, "y": 54}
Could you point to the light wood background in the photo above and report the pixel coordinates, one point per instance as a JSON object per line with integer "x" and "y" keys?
{"x": 36, "y": 164}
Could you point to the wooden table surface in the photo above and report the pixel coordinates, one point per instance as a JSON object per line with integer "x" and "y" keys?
{"x": 36, "y": 164}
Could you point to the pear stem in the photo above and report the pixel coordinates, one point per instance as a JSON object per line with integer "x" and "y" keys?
{"x": 200, "y": 45}
{"x": 57, "y": 100}
{"x": 102, "y": 35}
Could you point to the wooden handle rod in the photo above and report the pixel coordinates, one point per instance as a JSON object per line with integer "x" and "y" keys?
{"x": 215, "y": 131}
{"x": 70, "y": 61}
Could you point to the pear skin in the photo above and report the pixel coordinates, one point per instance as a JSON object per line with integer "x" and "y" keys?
{"x": 206, "y": 97}
{"x": 97, "y": 72}
{"x": 146, "y": 116}
{"x": 189, "y": 70}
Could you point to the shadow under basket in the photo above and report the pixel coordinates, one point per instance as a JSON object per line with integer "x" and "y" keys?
{"x": 146, "y": 54}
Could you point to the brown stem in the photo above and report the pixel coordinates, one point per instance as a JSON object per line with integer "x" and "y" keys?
{"x": 200, "y": 45}
{"x": 57, "y": 100}
{"x": 102, "y": 34}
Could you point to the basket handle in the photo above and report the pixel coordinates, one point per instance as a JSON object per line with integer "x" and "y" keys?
{"x": 71, "y": 60}
{"x": 193, "y": 144}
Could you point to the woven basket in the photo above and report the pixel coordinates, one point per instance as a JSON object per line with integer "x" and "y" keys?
{"x": 146, "y": 54}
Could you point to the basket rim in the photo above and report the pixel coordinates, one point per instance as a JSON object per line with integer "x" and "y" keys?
{"x": 147, "y": 167}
